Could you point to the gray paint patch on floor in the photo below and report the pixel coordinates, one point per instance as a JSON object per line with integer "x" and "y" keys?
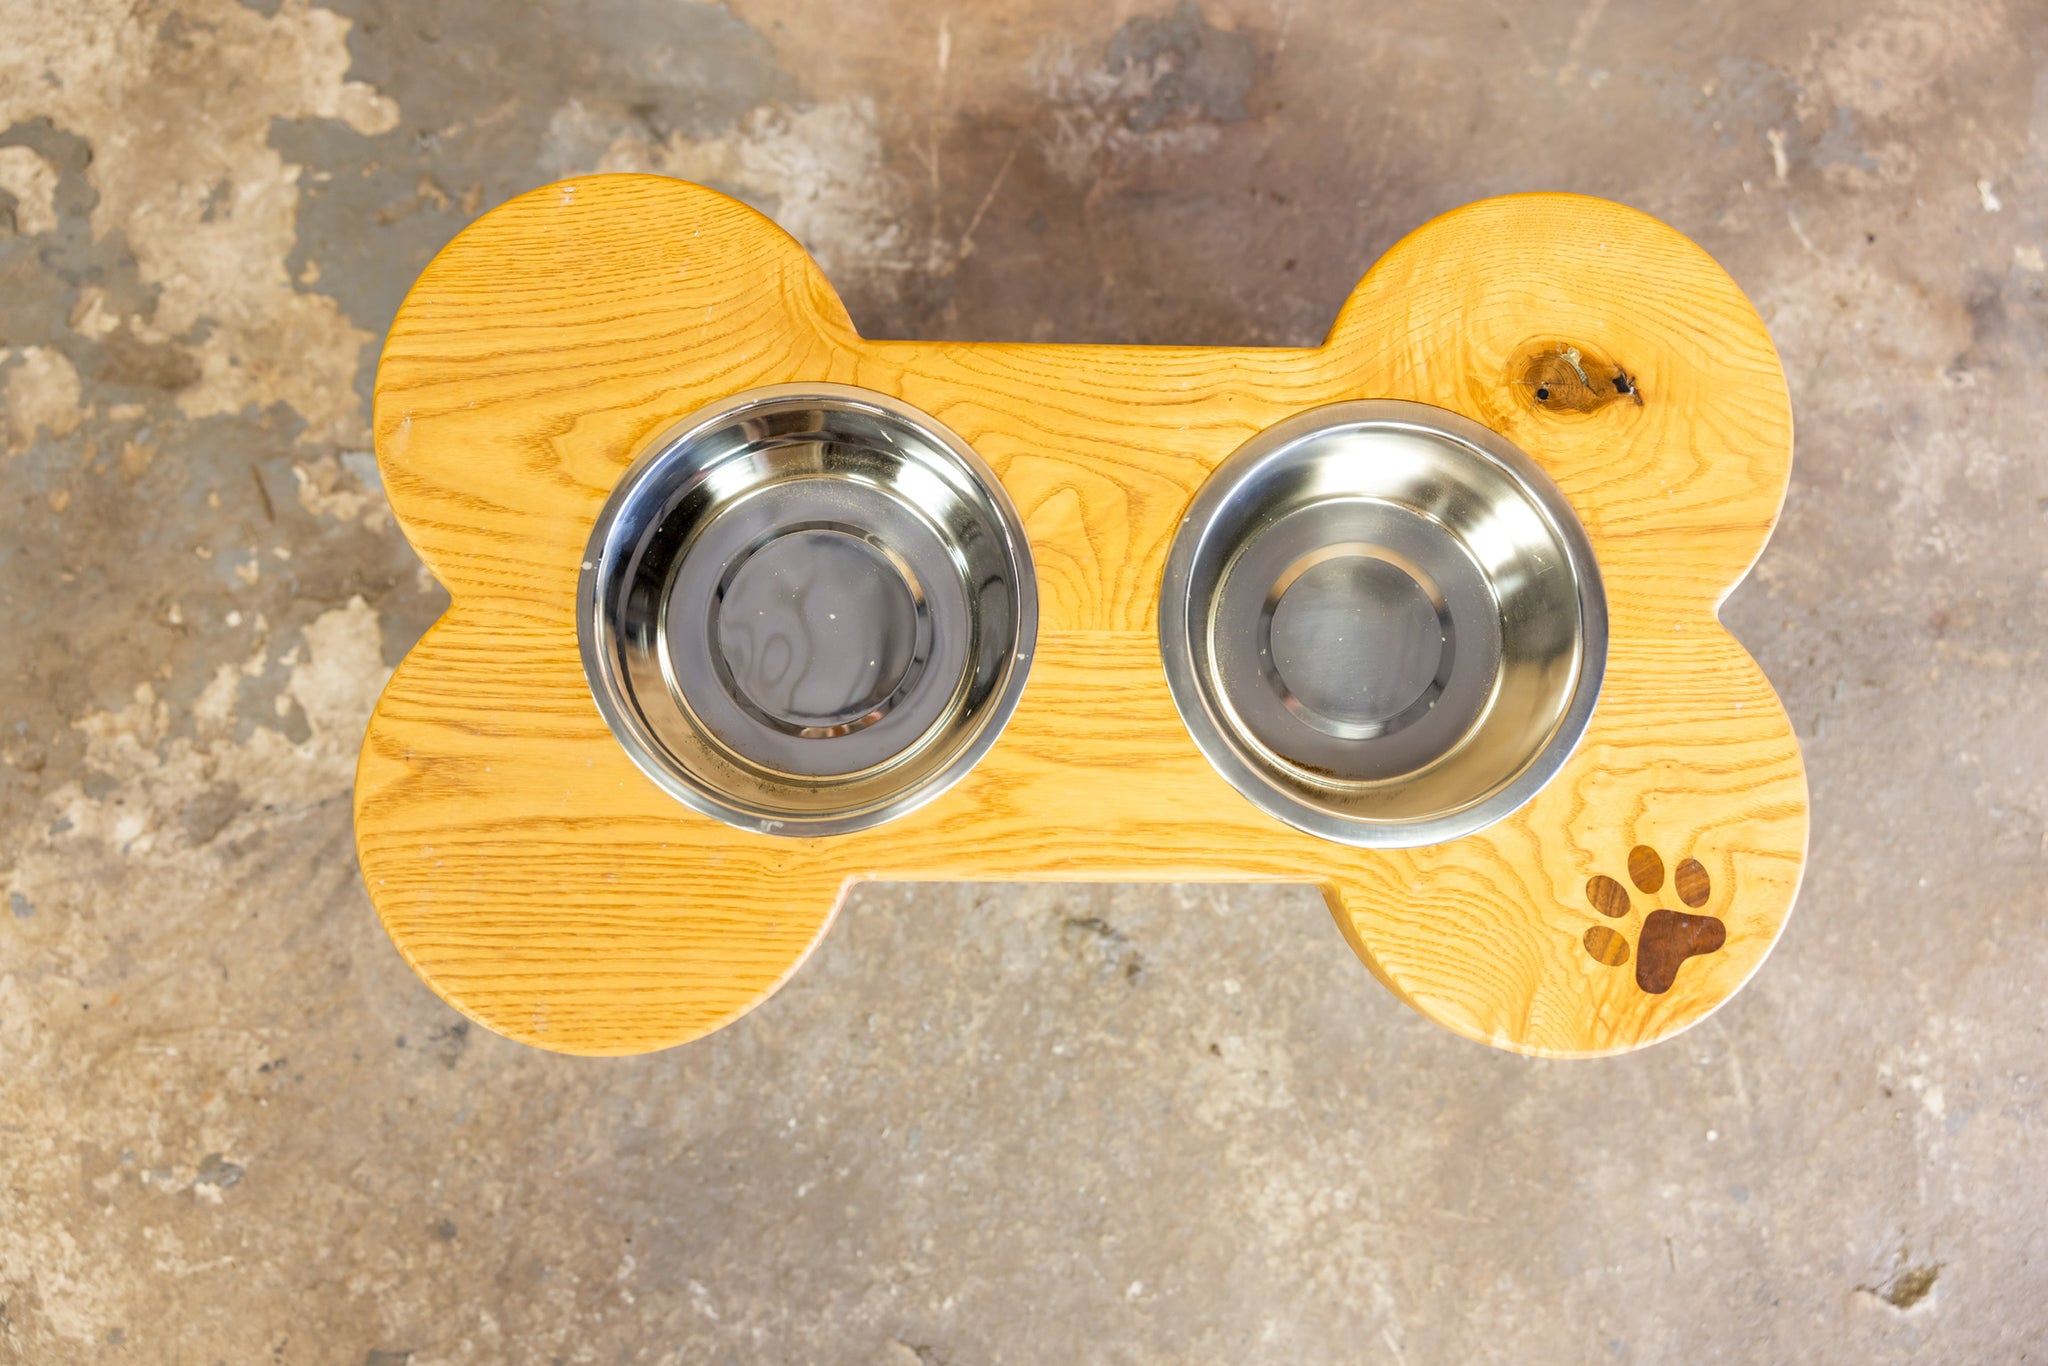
{"x": 477, "y": 92}
{"x": 1191, "y": 70}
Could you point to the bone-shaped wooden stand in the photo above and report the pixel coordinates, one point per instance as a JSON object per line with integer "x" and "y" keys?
{"x": 544, "y": 886}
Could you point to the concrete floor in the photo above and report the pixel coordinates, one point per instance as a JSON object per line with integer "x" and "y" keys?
{"x": 233, "y": 1126}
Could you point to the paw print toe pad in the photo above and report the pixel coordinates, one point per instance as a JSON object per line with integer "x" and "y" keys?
{"x": 1645, "y": 869}
{"x": 1691, "y": 882}
{"x": 1607, "y": 946}
{"x": 1608, "y": 897}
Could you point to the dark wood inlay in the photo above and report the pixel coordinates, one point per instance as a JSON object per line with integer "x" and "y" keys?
{"x": 1609, "y": 897}
{"x": 1690, "y": 878}
{"x": 1606, "y": 945}
{"x": 1645, "y": 869}
{"x": 1667, "y": 940}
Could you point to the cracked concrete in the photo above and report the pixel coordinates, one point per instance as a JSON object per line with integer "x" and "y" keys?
{"x": 991, "y": 1123}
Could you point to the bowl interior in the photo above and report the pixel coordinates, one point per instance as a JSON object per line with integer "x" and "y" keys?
{"x": 807, "y": 609}
{"x": 1383, "y": 623}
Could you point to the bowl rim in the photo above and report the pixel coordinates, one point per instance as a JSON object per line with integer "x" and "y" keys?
{"x": 1213, "y": 736}
{"x": 601, "y": 667}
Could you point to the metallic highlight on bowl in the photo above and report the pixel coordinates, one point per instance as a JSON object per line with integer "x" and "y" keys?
{"x": 1383, "y": 624}
{"x": 807, "y": 609}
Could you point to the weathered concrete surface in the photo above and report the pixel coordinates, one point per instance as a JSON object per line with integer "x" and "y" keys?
{"x": 1123, "y": 1124}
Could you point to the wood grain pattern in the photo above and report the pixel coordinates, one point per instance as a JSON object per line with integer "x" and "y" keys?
{"x": 548, "y": 890}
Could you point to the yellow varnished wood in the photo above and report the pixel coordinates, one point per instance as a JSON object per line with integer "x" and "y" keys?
{"x": 538, "y": 881}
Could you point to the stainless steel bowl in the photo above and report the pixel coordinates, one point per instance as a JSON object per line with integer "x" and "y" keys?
{"x": 1383, "y": 624}
{"x": 807, "y": 609}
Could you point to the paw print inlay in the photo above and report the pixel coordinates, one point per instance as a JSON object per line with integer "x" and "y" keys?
{"x": 1668, "y": 937}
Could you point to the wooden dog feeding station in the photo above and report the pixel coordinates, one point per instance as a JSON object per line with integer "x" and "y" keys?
{"x": 748, "y": 608}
